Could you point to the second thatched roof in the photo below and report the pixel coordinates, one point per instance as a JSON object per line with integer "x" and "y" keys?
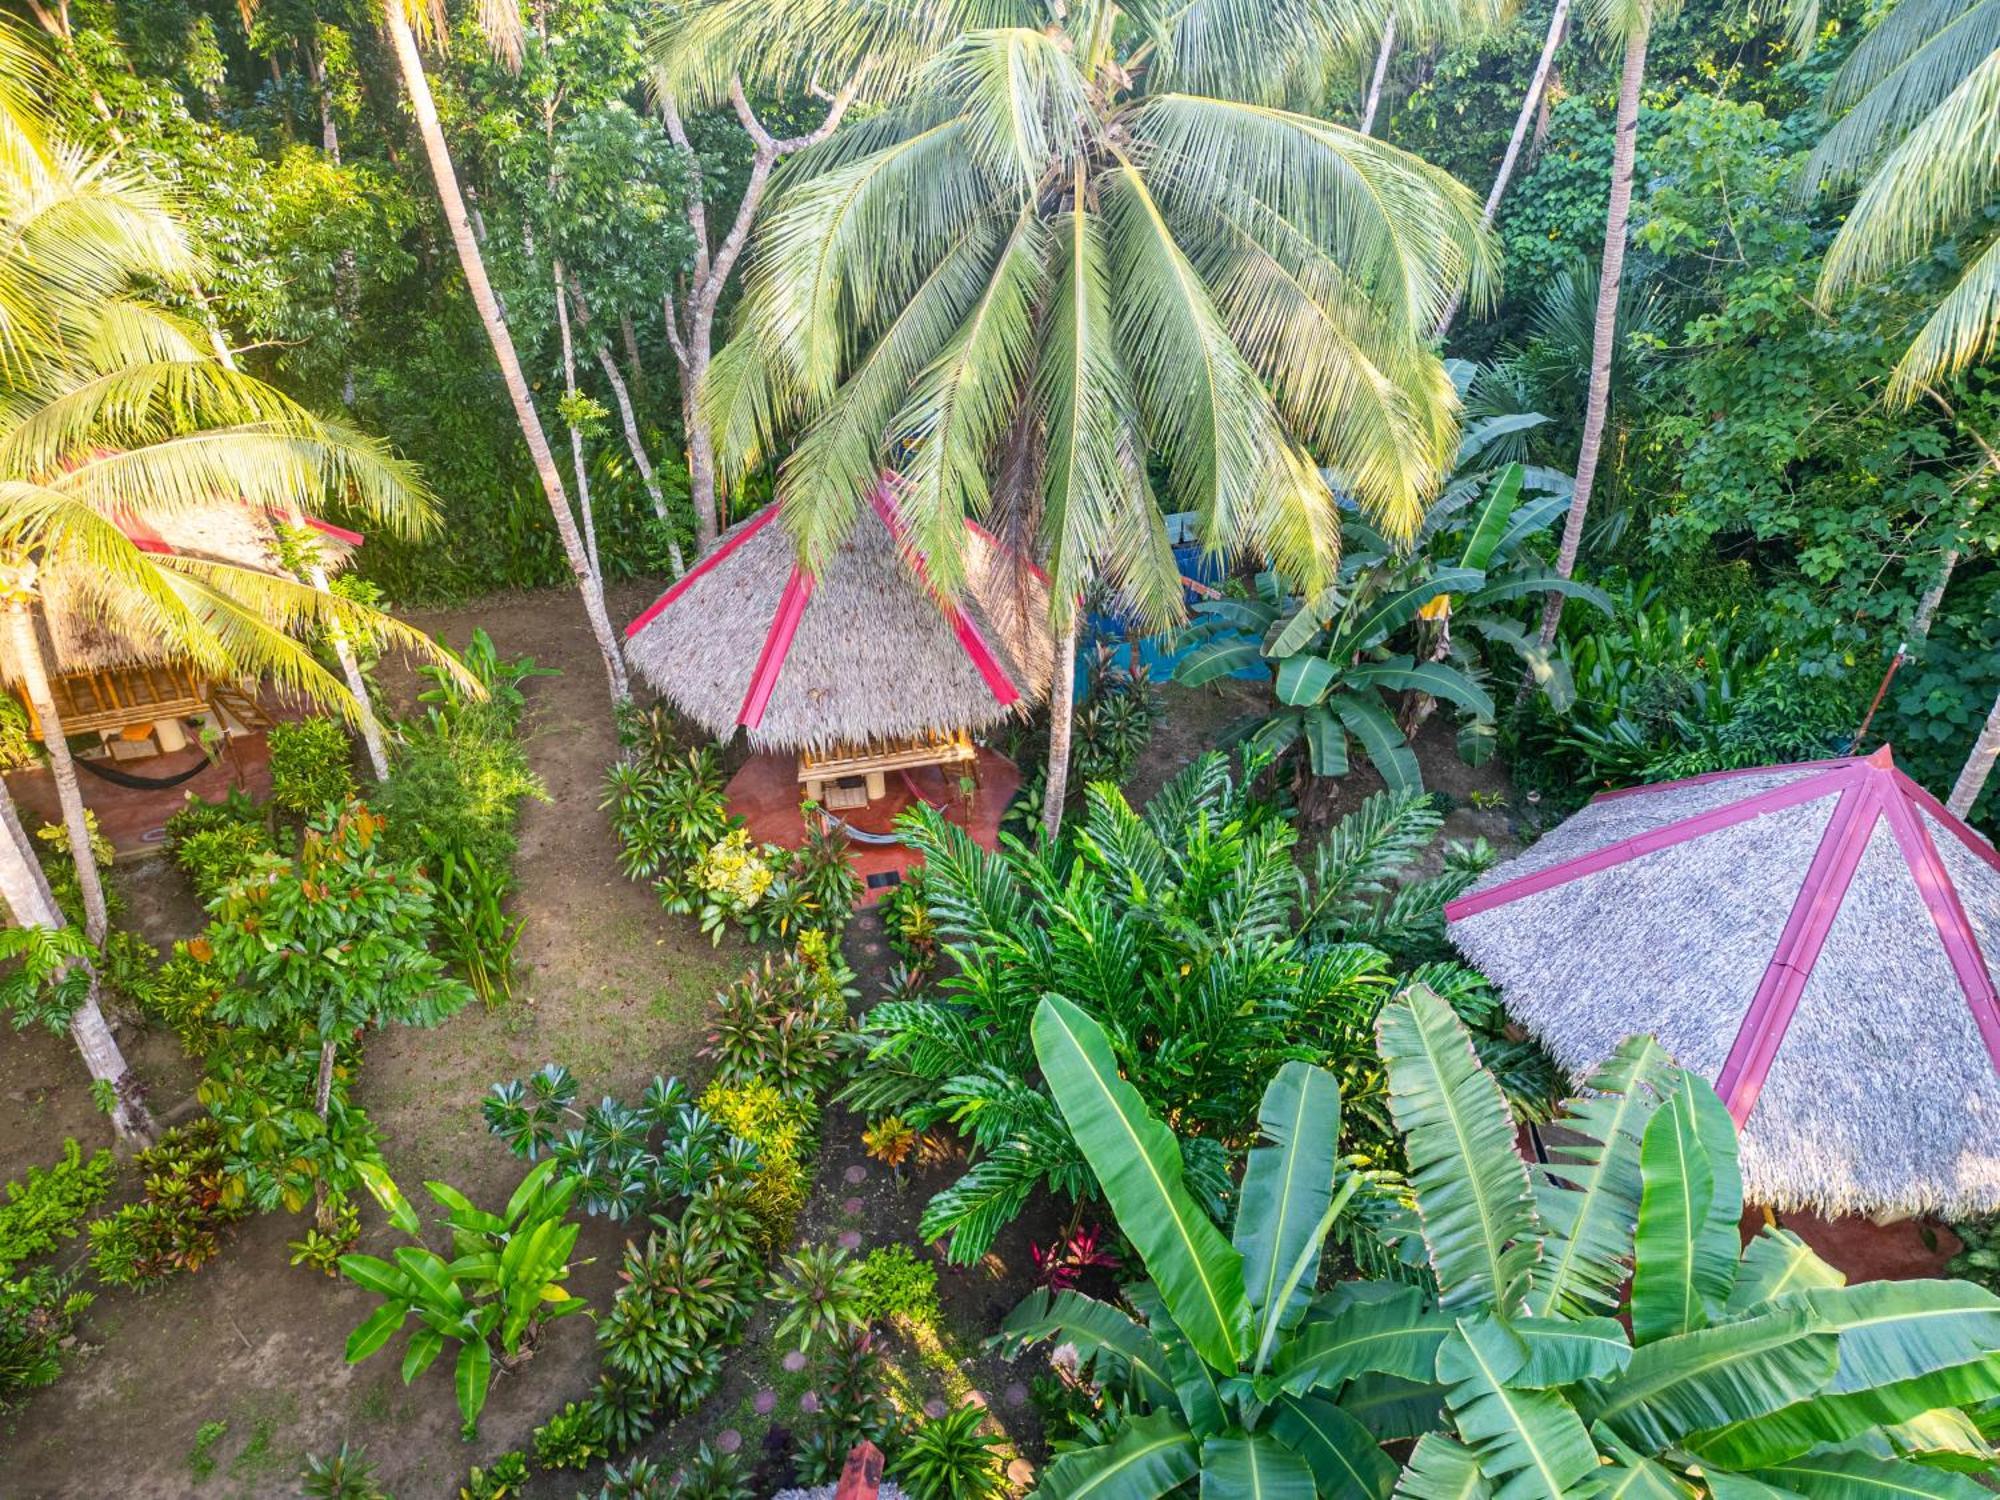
{"x": 1816, "y": 939}
{"x": 861, "y": 651}
{"x": 80, "y": 623}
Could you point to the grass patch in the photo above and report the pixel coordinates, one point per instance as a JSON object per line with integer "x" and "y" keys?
{"x": 201, "y": 1457}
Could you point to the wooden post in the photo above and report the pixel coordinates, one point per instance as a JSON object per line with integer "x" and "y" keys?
{"x": 861, "y": 1478}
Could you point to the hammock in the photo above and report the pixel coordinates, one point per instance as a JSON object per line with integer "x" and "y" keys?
{"x": 117, "y": 777}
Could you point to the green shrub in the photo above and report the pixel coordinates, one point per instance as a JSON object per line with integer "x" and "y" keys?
{"x": 895, "y": 1284}
{"x": 849, "y": 1377}
{"x": 683, "y": 1300}
{"x": 503, "y": 1479}
{"x": 178, "y": 1224}
{"x": 571, "y": 1439}
{"x": 37, "y": 1312}
{"x": 196, "y": 816}
{"x": 345, "y": 1475}
{"x": 214, "y": 859}
{"x": 312, "y": 766}
{"x": 51, "y": 1203}
{"x": 712, "y": 1475}
{"x": 782, "y": 1131}
{"x": 457, "y": 787}
{"x": 19, "y": 748}
{"x": 822, "y": 1294}
{"x": 181, "y": 995}
{"x": 784, "y": 1023}
{"x": 950, "y": 1458}
{"x": 60, "y": 868}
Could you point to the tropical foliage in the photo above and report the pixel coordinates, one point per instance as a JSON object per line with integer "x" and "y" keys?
{"x": 1193, "y": 935}
{"x": 1741, "y": 1366}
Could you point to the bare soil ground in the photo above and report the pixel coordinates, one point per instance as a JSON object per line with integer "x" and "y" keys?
{"x": 218, "y": 1384}
{"x": 606, "y": 984}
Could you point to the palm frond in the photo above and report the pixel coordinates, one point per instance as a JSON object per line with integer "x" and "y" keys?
{"x": 792, "y": 47}
{"x": 1022, "y": 99}
{"x": 1908, "y": 65}
{"x": 958, "y": 407}
{"x": 1266, "y": 51}
{"x": 1965, "y": 326}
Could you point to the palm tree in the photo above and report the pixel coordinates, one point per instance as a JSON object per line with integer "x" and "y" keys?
{"x": 32, "y": 904}
{"x": 503, "y": 19}
{"x": 1922, "y": 127}
{"x": 932, "y": 290}
{"x": 1631, "y": 23}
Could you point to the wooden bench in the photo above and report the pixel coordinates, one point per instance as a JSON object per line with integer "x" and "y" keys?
{"x": 822, "y": 774}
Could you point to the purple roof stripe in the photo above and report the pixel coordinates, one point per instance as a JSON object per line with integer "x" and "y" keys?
{"x": 1961, "y": 943}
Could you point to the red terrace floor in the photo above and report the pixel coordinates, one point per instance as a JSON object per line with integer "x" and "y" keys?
{"x": 766, "y": 794}
{"x": 132, "y": 819}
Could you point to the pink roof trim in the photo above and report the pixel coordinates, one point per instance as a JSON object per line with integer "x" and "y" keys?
{"x": 338, "y": 533}
{"x": 1870, "y": 788}
{"x": 1771, "y": 1009}
{"x": 1707, "y": 776}
{"x": 777, "y": 646}
{"x": 970, "y": 641}
{"x": 702, "y": 569}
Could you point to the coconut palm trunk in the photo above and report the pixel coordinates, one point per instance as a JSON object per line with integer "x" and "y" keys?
{"x": 28, "y": 897}
{"x": 1062, "y": 706}
{"x": 627, "y": 419}
{"x": 1531, "y": 107}
{"x": 1623, "y": 150}
{"x": 1382, "y": 57}
{"x": 411, "y": 65}
{"x": 575, "y": 433}
{"x": 35, "y": 680}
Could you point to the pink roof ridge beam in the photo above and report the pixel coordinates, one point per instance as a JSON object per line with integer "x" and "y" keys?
{"x": 1871, "y": 790}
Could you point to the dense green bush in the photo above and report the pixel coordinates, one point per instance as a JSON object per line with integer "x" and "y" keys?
{"x": 457, "y": 785}
{"x": 312, "y": 766}
{"x": 682, "y": 1300}
{"x": 177, "y": 1225}
{"x": 235, "y": 810}
{"x": 785, "y": 1022}
{"x": 50, "y": 1204}
{"x": 216, "y": 858}
{"x": 782, "y": 1131}
{"x": 895, "y": 1284}
{"x": 951, "y": 1458}
{"x": 38, "y": 1310}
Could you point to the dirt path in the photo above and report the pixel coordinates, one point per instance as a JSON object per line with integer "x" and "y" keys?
{"x": 608, "y": 985}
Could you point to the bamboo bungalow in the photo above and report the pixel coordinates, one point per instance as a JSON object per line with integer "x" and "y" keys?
{"x": 1817, "y": 939}
{"x": 857, "y": 687}
{"x": 109, "y": 679}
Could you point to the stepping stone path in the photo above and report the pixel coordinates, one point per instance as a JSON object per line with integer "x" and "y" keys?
{"x": 934, "y": 1408}
{"x": 793, "y": 1361}
{"x": 1016, "y": 1394}
{"x": 809, "y": 1402}
{"x": 851, "y": 1207}
{"x": 856, "y": 1175}
{"x": 765, "y": 1402}
{"x": 728, "y": 1440}
{"x": 1020, "y": 1473}
{"x": 848, "y": 1239}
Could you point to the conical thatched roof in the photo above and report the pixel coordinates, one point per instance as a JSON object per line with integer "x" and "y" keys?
{"x": 1816, "y": 939}
{"x": 863, "y": 651}
{"x": 79, "y": 624}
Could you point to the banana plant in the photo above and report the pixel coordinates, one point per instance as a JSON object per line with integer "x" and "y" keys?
{"x": 1386, "y": 626}
{"x": 504, "y": 1281}
{"x": 1752, "y": 1372}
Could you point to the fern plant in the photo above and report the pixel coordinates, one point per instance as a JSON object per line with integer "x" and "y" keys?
{"x": 1190, "y": 933}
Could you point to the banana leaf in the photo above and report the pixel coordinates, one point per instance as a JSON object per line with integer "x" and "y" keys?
{"x": 1532, "y": 1445}
{"x": 1490, "y": 517}
{"x": 1151, "y": 1456}
{"x": 1138, "y": 1162}
{"x": 1690, "y": 1205}
{"x": 1253, "y": 1466}
{"x": 1386, "y": 748}
{"x": 1342, "y": 1456}
{"x": 1287, "y": 1186}
{"x": 1442, "y": 1469}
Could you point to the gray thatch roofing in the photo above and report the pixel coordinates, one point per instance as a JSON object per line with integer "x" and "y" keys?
{"x": 1817, "y": 940}
{"x": 872, "y": 654}
{"x": 79, "y": 622}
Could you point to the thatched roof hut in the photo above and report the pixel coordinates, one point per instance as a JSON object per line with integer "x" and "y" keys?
{"x": 863, "y": 652}
{"x": 1817, "y": 939}
{"x": 79, "y": 623}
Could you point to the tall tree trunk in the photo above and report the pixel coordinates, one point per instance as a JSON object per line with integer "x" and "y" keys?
{"x": 631, "y": 337}
{"x": 1604, "y": 335}
{"x": 33, "y": 905}
{"x": 690, "y": 318}
{"x": 575, "y": 435}
{"x": 1531, "y": 104}
{"x": 1062, "y": 708}
{"x": 35, "y": 679}
{"x": 346, "y": 276}
{"x": 1382, "y": 57}
{"x": 323, "y": 1090}
{"x": 424, "y": 108}
{"x": 1978, "y": 766}
{"x": 630, "y": 424}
